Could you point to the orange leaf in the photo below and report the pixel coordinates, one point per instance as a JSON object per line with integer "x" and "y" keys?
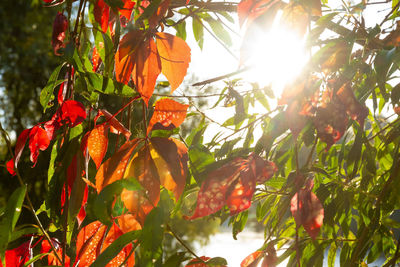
{"x": 92, "y": 240}
{"x": 146, "y": 69}
{"x": 295, "y": 18}
{"x": 175, "y": 57}
{"x": 168, "y": 112}
{"x": 113, "y": 168}
{"x": 97, "y": 144}
{"x": 252, "y": 260}
{"x": 170, "y": 158}
{"x": 87, "y": 243}
{"x": 142, "y": 167}
{"x": 128, "y": 223}
{"x": 251, "y": 9}
{"x": 159, "y": 14}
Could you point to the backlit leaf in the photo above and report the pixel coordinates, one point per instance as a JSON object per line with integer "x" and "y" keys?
{"x": 168, "y": 113}
{"x": 97, "y": 143}
{"x": 38, "y": 140}
{"x": 174, "y": 54}
{"x": 113, "y": 168}
{"x": 307, "y": 210}
{"x": 252, "y": 260}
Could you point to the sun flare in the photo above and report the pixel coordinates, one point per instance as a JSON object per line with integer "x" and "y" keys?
{"x": 275, "y": 57}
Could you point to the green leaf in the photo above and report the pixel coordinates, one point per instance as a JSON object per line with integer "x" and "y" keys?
{"x": 34, "y": 259}
{"x": 198, "y": 31}
{"x": 103, "y": 203}
{"x": 10, "y": 218}
{"x": 176, "y": 259}
{"x": 105, "y": 48}
{"x": 217, "y": 261}
{"x": 105, "y": 85}
{"x": 47, "y": 93}
{"x": 115, "y": 247}
{"x": 181, "y": 30}
{"x": 151, "y": 239}
{"x": 332, "y": 255}
{"x": 219, "y": 30}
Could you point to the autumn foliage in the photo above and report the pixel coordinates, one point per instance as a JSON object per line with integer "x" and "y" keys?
{"x": 321, "y": 179}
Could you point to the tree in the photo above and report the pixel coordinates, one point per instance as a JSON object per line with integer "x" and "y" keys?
{"x": 322, "y": 176}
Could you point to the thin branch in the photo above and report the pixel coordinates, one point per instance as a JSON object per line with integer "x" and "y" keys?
{"x": 183, "y": 243}
{"x": 218, "y": 78}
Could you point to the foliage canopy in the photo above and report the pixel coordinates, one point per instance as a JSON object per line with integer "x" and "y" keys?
{"x": 323, "y": 177}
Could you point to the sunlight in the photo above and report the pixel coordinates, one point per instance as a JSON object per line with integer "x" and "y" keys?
{"x": 276, "y": 57}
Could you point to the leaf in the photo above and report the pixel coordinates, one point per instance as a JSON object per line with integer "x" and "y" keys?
{"x": 17, "y": 256}
{"x": 295, "y": 18}
{"x": 97, "y": 144}
{"x": 116, "y": 126}
{"x": 114, "y": 250}
{"x": 113, "y": 168}
{"x": 137, "y": 57}
{"x": 174, "y": 54}
{"x": 11, "y": 215}
{"x": 219, "y": 30}
{"x": 105, "y": 85}
{"x": 152, "y": 237}
{"x": 168, "y": 113}
{"x": 38, "y": 140}
{"x": 72, "y": 113}
{"x": 252, "y": 260}
{"x": 252, "y": 9}
{"x": 46, "y": 94}
{"x": 198, "y": 31}
{"x": 307, "y": 210}
{"x": 19, "y": 146}
{"x": 198, "y": 262}
{"x": 233, "y": 184}
{"x": 142, "y": 168}
{"x": 60, "y": 26}
{"x": 170, "y": 158}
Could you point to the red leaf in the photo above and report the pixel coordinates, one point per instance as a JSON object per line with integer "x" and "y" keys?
{"x": 113, "y": 169}
{"x": 10, "y": 167}
{"x": 307, "y": 210}
{"x": 126, "y": 11}
{"x": 197, "y": 263}
{"x": 233, "y": 184}
{"x": 168, "y": 112}
{"x": 240, "y": 194}
{"x": 18, "y": 256}
{"x": 175, "y": 57}
{"x": 51, "y": 258}
{"x": 19, "y": 146}
{"x": 38, "y": 140}
{"x": 251, "y": 9}
{"x": 355, "y": 109}
{"x": 116, "y": 126}
{"x": 101, "y": 14}
{"x": 252, "y": 260}
{"x": 73, "y": 113}
{"x": 97, "y": 144}
{"x": 60, "y": 25}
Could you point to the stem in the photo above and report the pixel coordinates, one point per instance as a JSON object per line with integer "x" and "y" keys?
{"x": 183, "y": 243}
{"x": 144, "y": 120}
{"x": 31, "y": 208}
{"x": 218, "y": 78}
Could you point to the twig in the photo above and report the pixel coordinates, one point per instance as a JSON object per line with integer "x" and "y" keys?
{"x": 218, "y": 78}
{"x": 183, "y": 243}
